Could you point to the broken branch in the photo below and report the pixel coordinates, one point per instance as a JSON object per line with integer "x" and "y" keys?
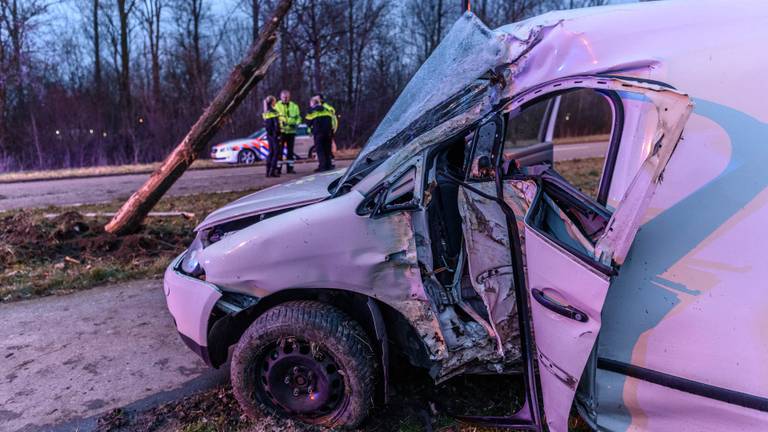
{"x": 242, "y": 79}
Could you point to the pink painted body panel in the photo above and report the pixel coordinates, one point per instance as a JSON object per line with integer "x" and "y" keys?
{"x": 562, "y": 344}
{"x": 690, "y": 298}
{"x": 189, "y": 300}
{"x": 659, "y": 408}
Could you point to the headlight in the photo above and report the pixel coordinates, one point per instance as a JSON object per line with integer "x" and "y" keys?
{"x": 191, "y": 262}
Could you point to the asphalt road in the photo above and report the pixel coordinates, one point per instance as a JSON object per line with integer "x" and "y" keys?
{"x": 580, "y": 150}
{"x": 107, "y": 188}
{"x": 66, "y": 359}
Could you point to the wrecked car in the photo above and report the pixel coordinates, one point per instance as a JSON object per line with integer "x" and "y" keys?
{"x": 456, "y": 243}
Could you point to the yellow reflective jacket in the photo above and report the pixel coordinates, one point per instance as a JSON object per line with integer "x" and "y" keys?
{"x": 290, "y": 116}
{"x": 334, "y": 119}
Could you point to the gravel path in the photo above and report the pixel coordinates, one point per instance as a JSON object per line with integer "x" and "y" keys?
{"x": 64, "y": 360}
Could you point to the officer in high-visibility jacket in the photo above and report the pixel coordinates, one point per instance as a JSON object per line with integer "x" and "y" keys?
{"x": 290, "y": 117}
{"x": 322, "y": 120}
{"x": 272, "y": 126}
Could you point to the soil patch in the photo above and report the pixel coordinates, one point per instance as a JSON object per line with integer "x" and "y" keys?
{"x": 416, "y": 404}
{"x": 59, "y": 250}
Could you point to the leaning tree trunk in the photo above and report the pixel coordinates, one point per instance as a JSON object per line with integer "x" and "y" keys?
{"x": 242, "y": 79}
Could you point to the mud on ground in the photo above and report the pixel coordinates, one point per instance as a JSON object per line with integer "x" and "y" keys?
{"x": 58, "y": 250}
{"x": 41, "y": 256}
{"x": 416, "y": 404}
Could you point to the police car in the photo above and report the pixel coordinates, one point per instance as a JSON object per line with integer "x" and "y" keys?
{"x": 254, "y": 147}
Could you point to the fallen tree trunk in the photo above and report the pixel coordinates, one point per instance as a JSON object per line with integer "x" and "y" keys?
{"x": 242, "y": 79}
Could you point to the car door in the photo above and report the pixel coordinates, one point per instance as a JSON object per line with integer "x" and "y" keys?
{"x": 573, "y": 249}
{"x": 571, "y": 245}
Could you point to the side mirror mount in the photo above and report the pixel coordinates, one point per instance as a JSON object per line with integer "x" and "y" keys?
{"x": 484, "y": 162}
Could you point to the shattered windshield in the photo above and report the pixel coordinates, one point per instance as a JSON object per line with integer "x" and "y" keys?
{"x": 449, "y": 91}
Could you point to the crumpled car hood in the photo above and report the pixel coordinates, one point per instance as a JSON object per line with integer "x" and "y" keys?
{"x": 303, "y": 191}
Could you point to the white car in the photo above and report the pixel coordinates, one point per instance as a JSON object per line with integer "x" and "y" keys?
{"x": 254, "y": 147}
{"x": 451, "y": 239}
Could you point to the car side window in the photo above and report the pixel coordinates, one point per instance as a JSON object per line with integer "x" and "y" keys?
{"x": 398, "y": 194}
{"x": 570, "y": 130}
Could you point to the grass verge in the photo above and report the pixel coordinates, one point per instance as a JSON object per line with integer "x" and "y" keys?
{"x": 582, "y": 173}
{"x": 42, "y": 255}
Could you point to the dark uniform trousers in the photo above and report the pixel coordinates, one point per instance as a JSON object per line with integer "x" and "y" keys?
{"x": 275, "y": 152}
{"x": 324, "y": 147}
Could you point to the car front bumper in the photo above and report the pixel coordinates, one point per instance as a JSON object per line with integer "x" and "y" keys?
{"x": 190, "y": 301}
{"x": 226, "y": 156}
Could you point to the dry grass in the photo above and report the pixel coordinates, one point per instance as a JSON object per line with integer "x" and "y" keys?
{"x": 582, "y": 173}
{"x": 581, "y": 139}
{"x": 41, "y": 256}
{"x": 96, "y": 171}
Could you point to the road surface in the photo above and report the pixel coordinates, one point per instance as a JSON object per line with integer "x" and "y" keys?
{"x": 580, "y": 150}
{"x": 107, "y": 188}
{"x": 66, "y": 359}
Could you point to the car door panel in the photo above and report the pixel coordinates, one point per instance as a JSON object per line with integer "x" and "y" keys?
{"x": 563, "y": 344}
{"x": 565, "y": 283}
{"x": 568, "y": 266}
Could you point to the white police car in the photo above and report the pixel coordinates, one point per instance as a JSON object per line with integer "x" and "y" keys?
{"x": 254, "y": 147}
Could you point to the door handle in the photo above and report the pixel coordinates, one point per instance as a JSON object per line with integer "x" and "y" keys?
{"x": 557, "y": 307}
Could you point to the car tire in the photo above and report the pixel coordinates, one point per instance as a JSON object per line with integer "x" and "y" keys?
{"x": 308, "y": 361}
{"x": 247, "y": 157}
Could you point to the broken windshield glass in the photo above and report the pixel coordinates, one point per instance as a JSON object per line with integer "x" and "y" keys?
{"x": 448, "y": 84}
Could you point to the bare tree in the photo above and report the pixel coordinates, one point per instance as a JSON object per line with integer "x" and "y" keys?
{"x": 317, "y": 32}
{"x": 255, "y": 14}
{"x": 239, "y": 83}
{"x": 194, "y": 47}
{"x": 96, "y": 48}
{"x": 124, "y": 9}
{"x": 150, "y": 14}
{"x": 107, "y": 94}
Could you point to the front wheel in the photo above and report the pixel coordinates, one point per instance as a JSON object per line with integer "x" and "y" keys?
{"x": 305, "y": 360}
{"x": 247, "y": 157}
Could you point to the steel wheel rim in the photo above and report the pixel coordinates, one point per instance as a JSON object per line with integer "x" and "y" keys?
{"x": 300, "y": 378}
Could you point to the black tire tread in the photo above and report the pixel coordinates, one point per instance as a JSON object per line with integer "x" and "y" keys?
{"x": 344, "y": 335}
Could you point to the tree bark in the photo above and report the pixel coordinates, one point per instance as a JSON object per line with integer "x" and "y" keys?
{"x": 96, "y": 50}
{"x": 124, "y": 82}
{"x": 242, "y": 79}
{"x": 350, "y": 50}
{"x": 255, "y": 9}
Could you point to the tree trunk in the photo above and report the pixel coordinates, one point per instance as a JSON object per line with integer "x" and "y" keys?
{"x": 350, "y": 50}
{"x": 36, "y": 139}
{"x": 3, "y": 86}
{"x": 96, "y": 50}
{"x": 124, "y": 81}
{"x": 154, "y": 44}
{"x": 196, "y": 12}
{"x": 245, "y": 75}
{"x": 255, "y": 9}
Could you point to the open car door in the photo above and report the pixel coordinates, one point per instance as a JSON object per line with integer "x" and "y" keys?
{"x": 574, "y": 247}
{"x": 566, "y": 248}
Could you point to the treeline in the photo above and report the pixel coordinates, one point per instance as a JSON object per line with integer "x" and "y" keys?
{"x": 97, "y": 82}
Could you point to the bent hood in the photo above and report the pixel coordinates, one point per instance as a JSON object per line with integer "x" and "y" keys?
{"x": 300, "y": 192}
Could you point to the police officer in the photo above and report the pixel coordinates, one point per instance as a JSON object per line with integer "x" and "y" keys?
{"x": 272, "y": 125}
{"x": 290, "y": 117}
{"x": 321, "y": 121}
{"x": 335, "y": 121}
{"x": 334, "y": 125}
